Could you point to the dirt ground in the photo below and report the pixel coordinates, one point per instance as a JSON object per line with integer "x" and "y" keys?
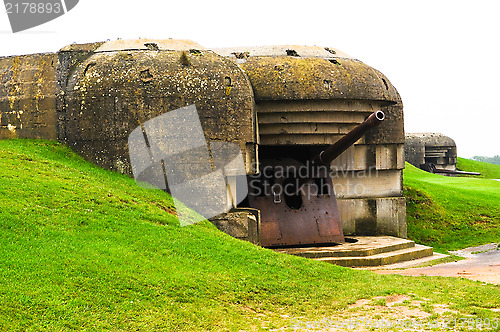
{"x": 391, "y": 313}
{"x": 482, "y": 263}
{"x": 409, "y": 312}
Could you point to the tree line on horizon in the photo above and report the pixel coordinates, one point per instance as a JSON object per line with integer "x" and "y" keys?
{"x": 492, "y": 160}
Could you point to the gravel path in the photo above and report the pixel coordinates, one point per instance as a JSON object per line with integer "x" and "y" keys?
{"x": 482, "y": 263}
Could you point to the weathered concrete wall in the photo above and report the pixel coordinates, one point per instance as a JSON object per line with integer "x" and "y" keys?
{"x": 91, "y": 96}
{"x": 69, "y": 60}
{"x": 371, "y": 216}
{"x": 118, "y": 88}
{"x": 28, "y": 92}
{"x": 241, "y": 224}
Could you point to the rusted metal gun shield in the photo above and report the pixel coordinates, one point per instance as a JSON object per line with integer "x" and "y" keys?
{"x": 317, "y": 221}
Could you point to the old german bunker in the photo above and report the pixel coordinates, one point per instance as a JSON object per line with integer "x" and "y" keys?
{"x": 309, "y": 97}
{"x": 434, "y": 153}
{"x": 428, "y": 150}
{"x": 282, "y": 105}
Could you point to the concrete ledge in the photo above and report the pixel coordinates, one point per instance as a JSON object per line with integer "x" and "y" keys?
{"x": 366, "y": 251}
{"x": 385, "y": 258}
{"x": 409, "y": 264}
{"x": 362, "y": 247}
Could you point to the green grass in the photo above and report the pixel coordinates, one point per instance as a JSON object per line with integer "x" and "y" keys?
{"x": 489, "y": 171}
{"x": 86, "y": 249}
{"x": 451, "y": 213}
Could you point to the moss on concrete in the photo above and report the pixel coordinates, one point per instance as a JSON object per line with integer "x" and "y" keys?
{"x": 292, "y": 78}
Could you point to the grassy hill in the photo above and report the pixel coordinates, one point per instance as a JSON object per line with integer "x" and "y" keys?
{"x": 453, "y": 212}
{"x": 86, "y": 249}
{"x": 489, "y": 171}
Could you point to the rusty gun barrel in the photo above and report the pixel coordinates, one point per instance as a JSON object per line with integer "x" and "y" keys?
{"x": 447, "y": 171}
{"x": 325, "y": 157}
{"x": 433, "y": 169}
{"x": 329, "y": 154}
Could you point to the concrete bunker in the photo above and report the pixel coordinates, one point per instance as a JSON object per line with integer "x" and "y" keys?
{"x": 434, "y": 153}
{"x": 279, "y": 102}
{"x": 309, "y": 97}
{"x": 427, "y": 150}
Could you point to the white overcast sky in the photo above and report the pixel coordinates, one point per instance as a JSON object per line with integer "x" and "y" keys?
{"x": 442, "y": 56}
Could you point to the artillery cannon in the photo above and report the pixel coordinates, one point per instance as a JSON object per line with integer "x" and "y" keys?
{"x": 281, "y": 104}
{"x": 297, "y": 199}
{"x": 431, "y": 168}
{"x": 433, "y": 153}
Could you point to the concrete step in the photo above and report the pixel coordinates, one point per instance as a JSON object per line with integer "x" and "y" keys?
{"x": 409, "y": 264}
{"x": 401, "y": 255}
{"x": 364, "y": 251}
{"x": 359, "y": 246}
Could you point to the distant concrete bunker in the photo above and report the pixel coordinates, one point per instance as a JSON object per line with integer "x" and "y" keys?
{"x": 281, "y": 105}
{"x": 428, "y": 150}
{"x": 434, "y": 153}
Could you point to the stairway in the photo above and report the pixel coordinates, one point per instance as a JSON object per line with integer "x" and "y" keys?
{"x": 364, "y": 251}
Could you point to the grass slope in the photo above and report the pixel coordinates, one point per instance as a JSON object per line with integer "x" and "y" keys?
{"x": 489, "y": 171}
{"x": 451, "y": 212}
{"x": 86, "y": 249}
